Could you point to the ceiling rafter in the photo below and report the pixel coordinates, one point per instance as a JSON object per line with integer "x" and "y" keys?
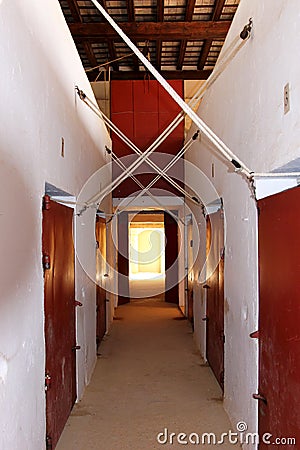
{"x": 167, "y": 74}
{"x": 160, "y": 10}
{"x": 182, "y": 50}
{"x": 75, "y": 11}
{"x": 90, "y": 54}
{"x": 135, "y": 61}
{"x": 158, "y": 53}
{"x": 204, "y": 54}
{"x": 130, "y": 10}
{"x": 190, "y": 10}
{"x": 167, "y": 31}
{"x": 112, "y": 54}
{"x": 188, "y": 17}
{"x": 219, "y": 5}
{"x": 217, "y": 12}
{"x": 180, "y": 37}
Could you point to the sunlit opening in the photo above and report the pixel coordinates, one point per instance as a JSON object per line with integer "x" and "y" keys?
{"x": 146, "y": 251}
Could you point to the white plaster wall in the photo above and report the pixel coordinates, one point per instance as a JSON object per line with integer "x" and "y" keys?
{"x": 39, "y": 70}
{"x": 245, "y": 108}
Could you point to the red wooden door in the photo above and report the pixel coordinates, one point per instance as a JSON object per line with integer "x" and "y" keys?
{"x": 171, "y": 259}
{"x": 101, "y": 271}
{"x": 279, "y": 316}
{"x": 59, "y": 304}
{"x": 123, "y": 259}
{"x": 215, "y": 295}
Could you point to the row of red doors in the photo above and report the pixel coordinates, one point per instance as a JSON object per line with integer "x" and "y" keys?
{"x": 279, "y": 313}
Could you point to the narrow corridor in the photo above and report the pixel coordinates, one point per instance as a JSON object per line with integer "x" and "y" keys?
{"x": 149, "y": 376}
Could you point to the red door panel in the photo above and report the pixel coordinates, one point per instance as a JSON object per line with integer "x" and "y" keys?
{"x": 121, "y": 96}
{"x": 171, "y": 259}
{"x": 101, "y": 270}
{"x": 279, "y": 316}
{"x": 215, "y": 296}
{"x": 145, "y": 97}
{"x": 166, "y": 102}
{"x": 125, "y": 122}
{"x": 59, "y": 304}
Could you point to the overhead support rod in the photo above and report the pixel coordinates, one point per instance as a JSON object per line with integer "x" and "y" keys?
{"x": 148, "y": 192}
{"x": 141, "y": 158}
{"x": 214, "y": 139}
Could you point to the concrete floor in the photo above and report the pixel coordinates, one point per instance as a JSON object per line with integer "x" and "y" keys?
{"x": 149, "y": 377}
{"x": 152, "y": 288}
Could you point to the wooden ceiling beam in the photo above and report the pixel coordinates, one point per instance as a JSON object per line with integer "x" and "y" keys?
{"x": 188, "y": 17}
{"x": 75, "y": 11}
{"x": 167, "y": 74}
{"x": 181, "y": 54}
{"x": 204, "y": 54}
{"x": 97, "y": 32}
{"x": 160, "y": 11}
{"x": 130, "y": 11}
{"x": 135, "y": 62}
{"x": 158, "y": 53}
{"x": 190, "y": 10}
{"x": 217, "y": 12}
{"x": 219, "y": 5}
{"x": 90, "y": 54}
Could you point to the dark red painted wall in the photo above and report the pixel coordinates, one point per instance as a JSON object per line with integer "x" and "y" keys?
{"x": 142, "y": 110}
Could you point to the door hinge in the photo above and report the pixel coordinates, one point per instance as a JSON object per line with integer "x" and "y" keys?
{"x": 46, "y": 202}
{"x": 222, "y": 377}
{"x": 48, "y": 442}
{"x": 46, "y": 261}
{"x": 47, "y": 381}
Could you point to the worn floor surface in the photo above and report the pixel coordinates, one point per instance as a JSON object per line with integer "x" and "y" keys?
{"x": 148, "y": 379}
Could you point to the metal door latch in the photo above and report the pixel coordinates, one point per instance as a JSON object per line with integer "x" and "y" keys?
{"x": 47, "y": 382}
{"x": 259, "y": 397}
